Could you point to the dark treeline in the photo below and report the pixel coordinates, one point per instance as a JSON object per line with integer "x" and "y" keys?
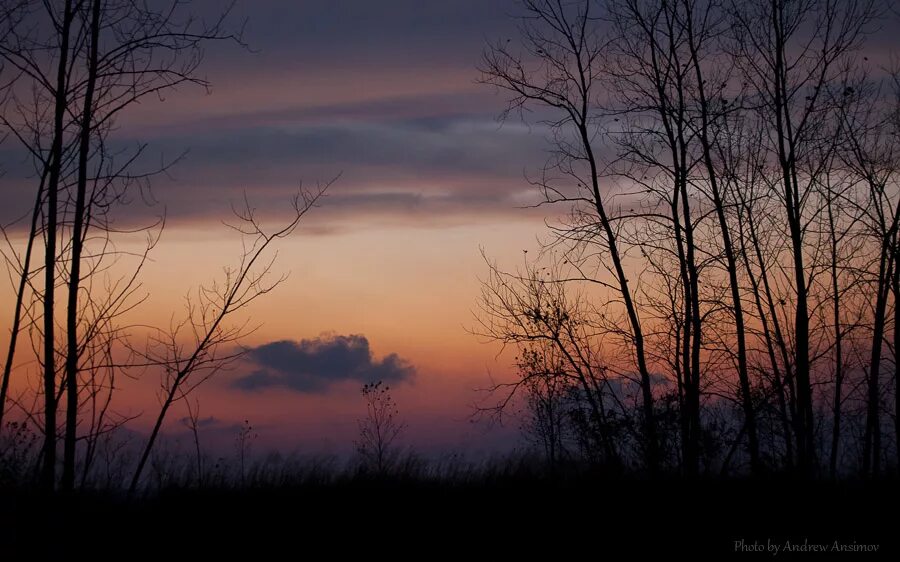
{"x": 721, "y": 297}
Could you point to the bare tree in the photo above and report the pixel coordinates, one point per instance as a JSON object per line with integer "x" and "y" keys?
{"x": 649, "y": 91}
{"x": 743, "y": 172}
{"x": 78, "y": 227}
{"x": 788, "y": 53}
{"x": 105, "y": 55}
{"x": 243, "y": 443}
{"x": 557, "y": 71}
{"x": 869, "y": 153}
{"x": 380, "y": 429}
{"x": 213, "y": 342}
{"x": 193, "y": 423}
{"x": 48, "y": 475}
{"x": 558, "y": 337}
{"x": 547, "y": 393}
{"x": 747, "y": 186}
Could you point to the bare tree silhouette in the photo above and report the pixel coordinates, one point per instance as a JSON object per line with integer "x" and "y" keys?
{"x": 379, "y": 429}
{"x": 558, "y": 69}
{"x": 213, "y": 343}
{"x": 730, "y": 185}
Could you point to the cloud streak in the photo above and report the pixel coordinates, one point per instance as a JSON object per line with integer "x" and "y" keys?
{"x": 383, "y": 94}
{"x": 313, "y": 366}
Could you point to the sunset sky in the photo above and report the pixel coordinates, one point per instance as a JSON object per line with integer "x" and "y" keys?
{"x": 383, "y": 95}
{"x": 274, "y": 265}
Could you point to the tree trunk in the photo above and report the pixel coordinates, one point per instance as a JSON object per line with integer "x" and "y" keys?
{"x": 896, "y": 289}
{"x": 731, "y": 262}
{"x": 79, "y": 231}
{"x": 872, "y": 434}
{"x": 745, "y": 212}
{"x": 20, "y": 295}
{"x": 793, "y": 211}
{"x": 48, "y": 472}
{"x": 649, "y": 423}
{"x": 838, "y": 346}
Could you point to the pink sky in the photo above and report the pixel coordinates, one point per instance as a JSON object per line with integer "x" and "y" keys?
{"x": 427, "y": 179}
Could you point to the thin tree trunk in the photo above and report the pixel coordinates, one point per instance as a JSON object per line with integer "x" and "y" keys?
{"x": 777, "y": 381}
{"x": 838, "y": 345}
{"x": 793, "y": 207}
{"x": 872, "y": 434}
{"x": 896, "y": 289}
{"x": 649, "y": 422}
{"x": 194, "y": 418}
{"x": 151, "y": 441}
{"x": 692, "y": 396}
{"x": 895, "y": 285}
{"x": 79, "y": 231}
{"x": 886, "y": 274}
{"x": 688, "y": 449}
{"x": 679, "y": 147}
{"x": 20, "y": 295}
{"x": 677, "y": 134}
{"x": 689, "y": 403}
{"x": 738, "y": 309}
{"x": 48, "y": 472}
{"x": 776, "y": 323}
{"x": 731, "y": 262}
{"x": 785, "y": 413}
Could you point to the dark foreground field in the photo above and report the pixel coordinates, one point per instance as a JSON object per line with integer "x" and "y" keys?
{"x": 585, "y": 519}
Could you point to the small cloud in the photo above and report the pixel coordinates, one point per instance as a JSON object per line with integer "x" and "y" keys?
{"x": 313, "y": 365}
